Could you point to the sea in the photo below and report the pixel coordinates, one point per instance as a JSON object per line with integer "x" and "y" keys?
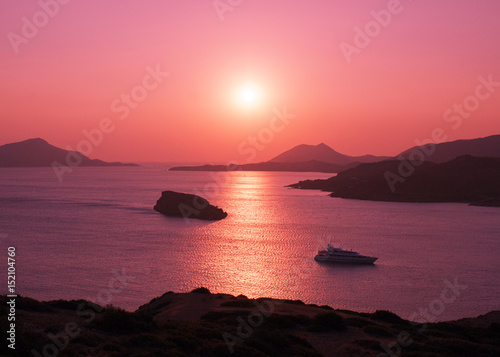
{"x": 95, "y": 236}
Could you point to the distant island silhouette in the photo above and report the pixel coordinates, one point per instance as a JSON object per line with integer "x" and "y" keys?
{"x": 322, "y": 153}
{"x": 307, "y": 166}
{"x": 301, "y": 158}
{"x": 39, "y": 153}
{"x": 322, "y": 158}
{"x": 465, "y": 179}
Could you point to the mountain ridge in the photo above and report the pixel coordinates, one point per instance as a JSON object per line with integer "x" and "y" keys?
{"x": 324, "y": 153}
{"x": 488, "y": 146}
{"x": 301, "y": 158}
{"x": 466, "y": 179}
{"x": 37, "y": 152}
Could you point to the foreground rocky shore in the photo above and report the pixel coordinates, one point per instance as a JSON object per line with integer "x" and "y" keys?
{"x": 204, "y": 324}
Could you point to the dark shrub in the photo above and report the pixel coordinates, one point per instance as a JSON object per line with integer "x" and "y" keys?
{"x": 25, "y": 342}
{"x": 54, "y": 329}
{"x": 117, "y": 320}
{"x": 185, "y": 340}
{"x": 387, "y": 316}
{"x": 279, "y": 322}
{"x": 494, "y": 327}
{"x": 87, "y": 338}
{"x": 295, "y": 302}
{"x": 377, "y": 331}
{"x": 65, "y": 304}
{"x": 201, "y": 291}
{"x": 221, "y": 350}
{"x": 161, "y": 305}
{"x": 459, "y": 348}
{"x": 208, "y": 332}
{"x": 238, "y": 303}
{"x": 354, "y": 313}
{"x": 112, "y": 346}
{"x": 155, "y": 299}
{"x": 28, "y": 304}
{"x": 271, "y": 342}
{"x": 213, "y": 316}
{"x": 276, "y": 343}
{"x": 300, "y": 319}
{"x": 370, "y": 344}
{"x": 147, "y": 341}
{"x": 327, "y": 321}
{"x": 358, "y": 322}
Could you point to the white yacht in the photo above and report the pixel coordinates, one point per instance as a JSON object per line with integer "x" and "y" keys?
{"x": 338, "y": 255}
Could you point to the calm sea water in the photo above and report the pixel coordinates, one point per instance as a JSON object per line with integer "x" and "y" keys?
{"x": 71, "y": 236}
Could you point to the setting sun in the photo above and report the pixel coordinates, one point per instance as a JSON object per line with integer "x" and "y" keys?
{"x": 249, "y": 95}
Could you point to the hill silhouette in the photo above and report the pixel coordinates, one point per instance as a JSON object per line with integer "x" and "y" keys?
{"x": 465, "y": 179}
{"x": 39, "y": 153}
{"x": 323, "y": 153}
{"x": 443, "y": 152}
{"x": 301, "y": 158}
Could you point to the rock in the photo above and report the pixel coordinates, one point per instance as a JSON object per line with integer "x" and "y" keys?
{"x": 176, "y": 204}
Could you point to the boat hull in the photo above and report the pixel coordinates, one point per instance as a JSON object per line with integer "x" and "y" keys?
{"x": 349, "y": 260}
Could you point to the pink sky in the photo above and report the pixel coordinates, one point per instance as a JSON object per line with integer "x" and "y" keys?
{"x": 395, "y": 90}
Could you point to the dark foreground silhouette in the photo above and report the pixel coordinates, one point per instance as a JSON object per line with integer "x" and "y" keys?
{"x": 204, "y": 324}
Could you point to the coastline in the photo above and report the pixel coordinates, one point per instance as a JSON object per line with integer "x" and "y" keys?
{"x": 466, "y": 179}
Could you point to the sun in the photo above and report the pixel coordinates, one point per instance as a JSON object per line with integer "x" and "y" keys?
{"x": 249, "y": 95}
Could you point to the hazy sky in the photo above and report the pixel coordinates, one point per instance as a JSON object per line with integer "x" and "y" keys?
{"x": 162, "y": 80}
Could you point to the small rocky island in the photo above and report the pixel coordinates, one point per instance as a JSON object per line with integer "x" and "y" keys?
{"x": 176, "y": 204}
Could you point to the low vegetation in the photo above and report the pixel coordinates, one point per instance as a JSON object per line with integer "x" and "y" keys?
{"x": 293, "y": 329}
